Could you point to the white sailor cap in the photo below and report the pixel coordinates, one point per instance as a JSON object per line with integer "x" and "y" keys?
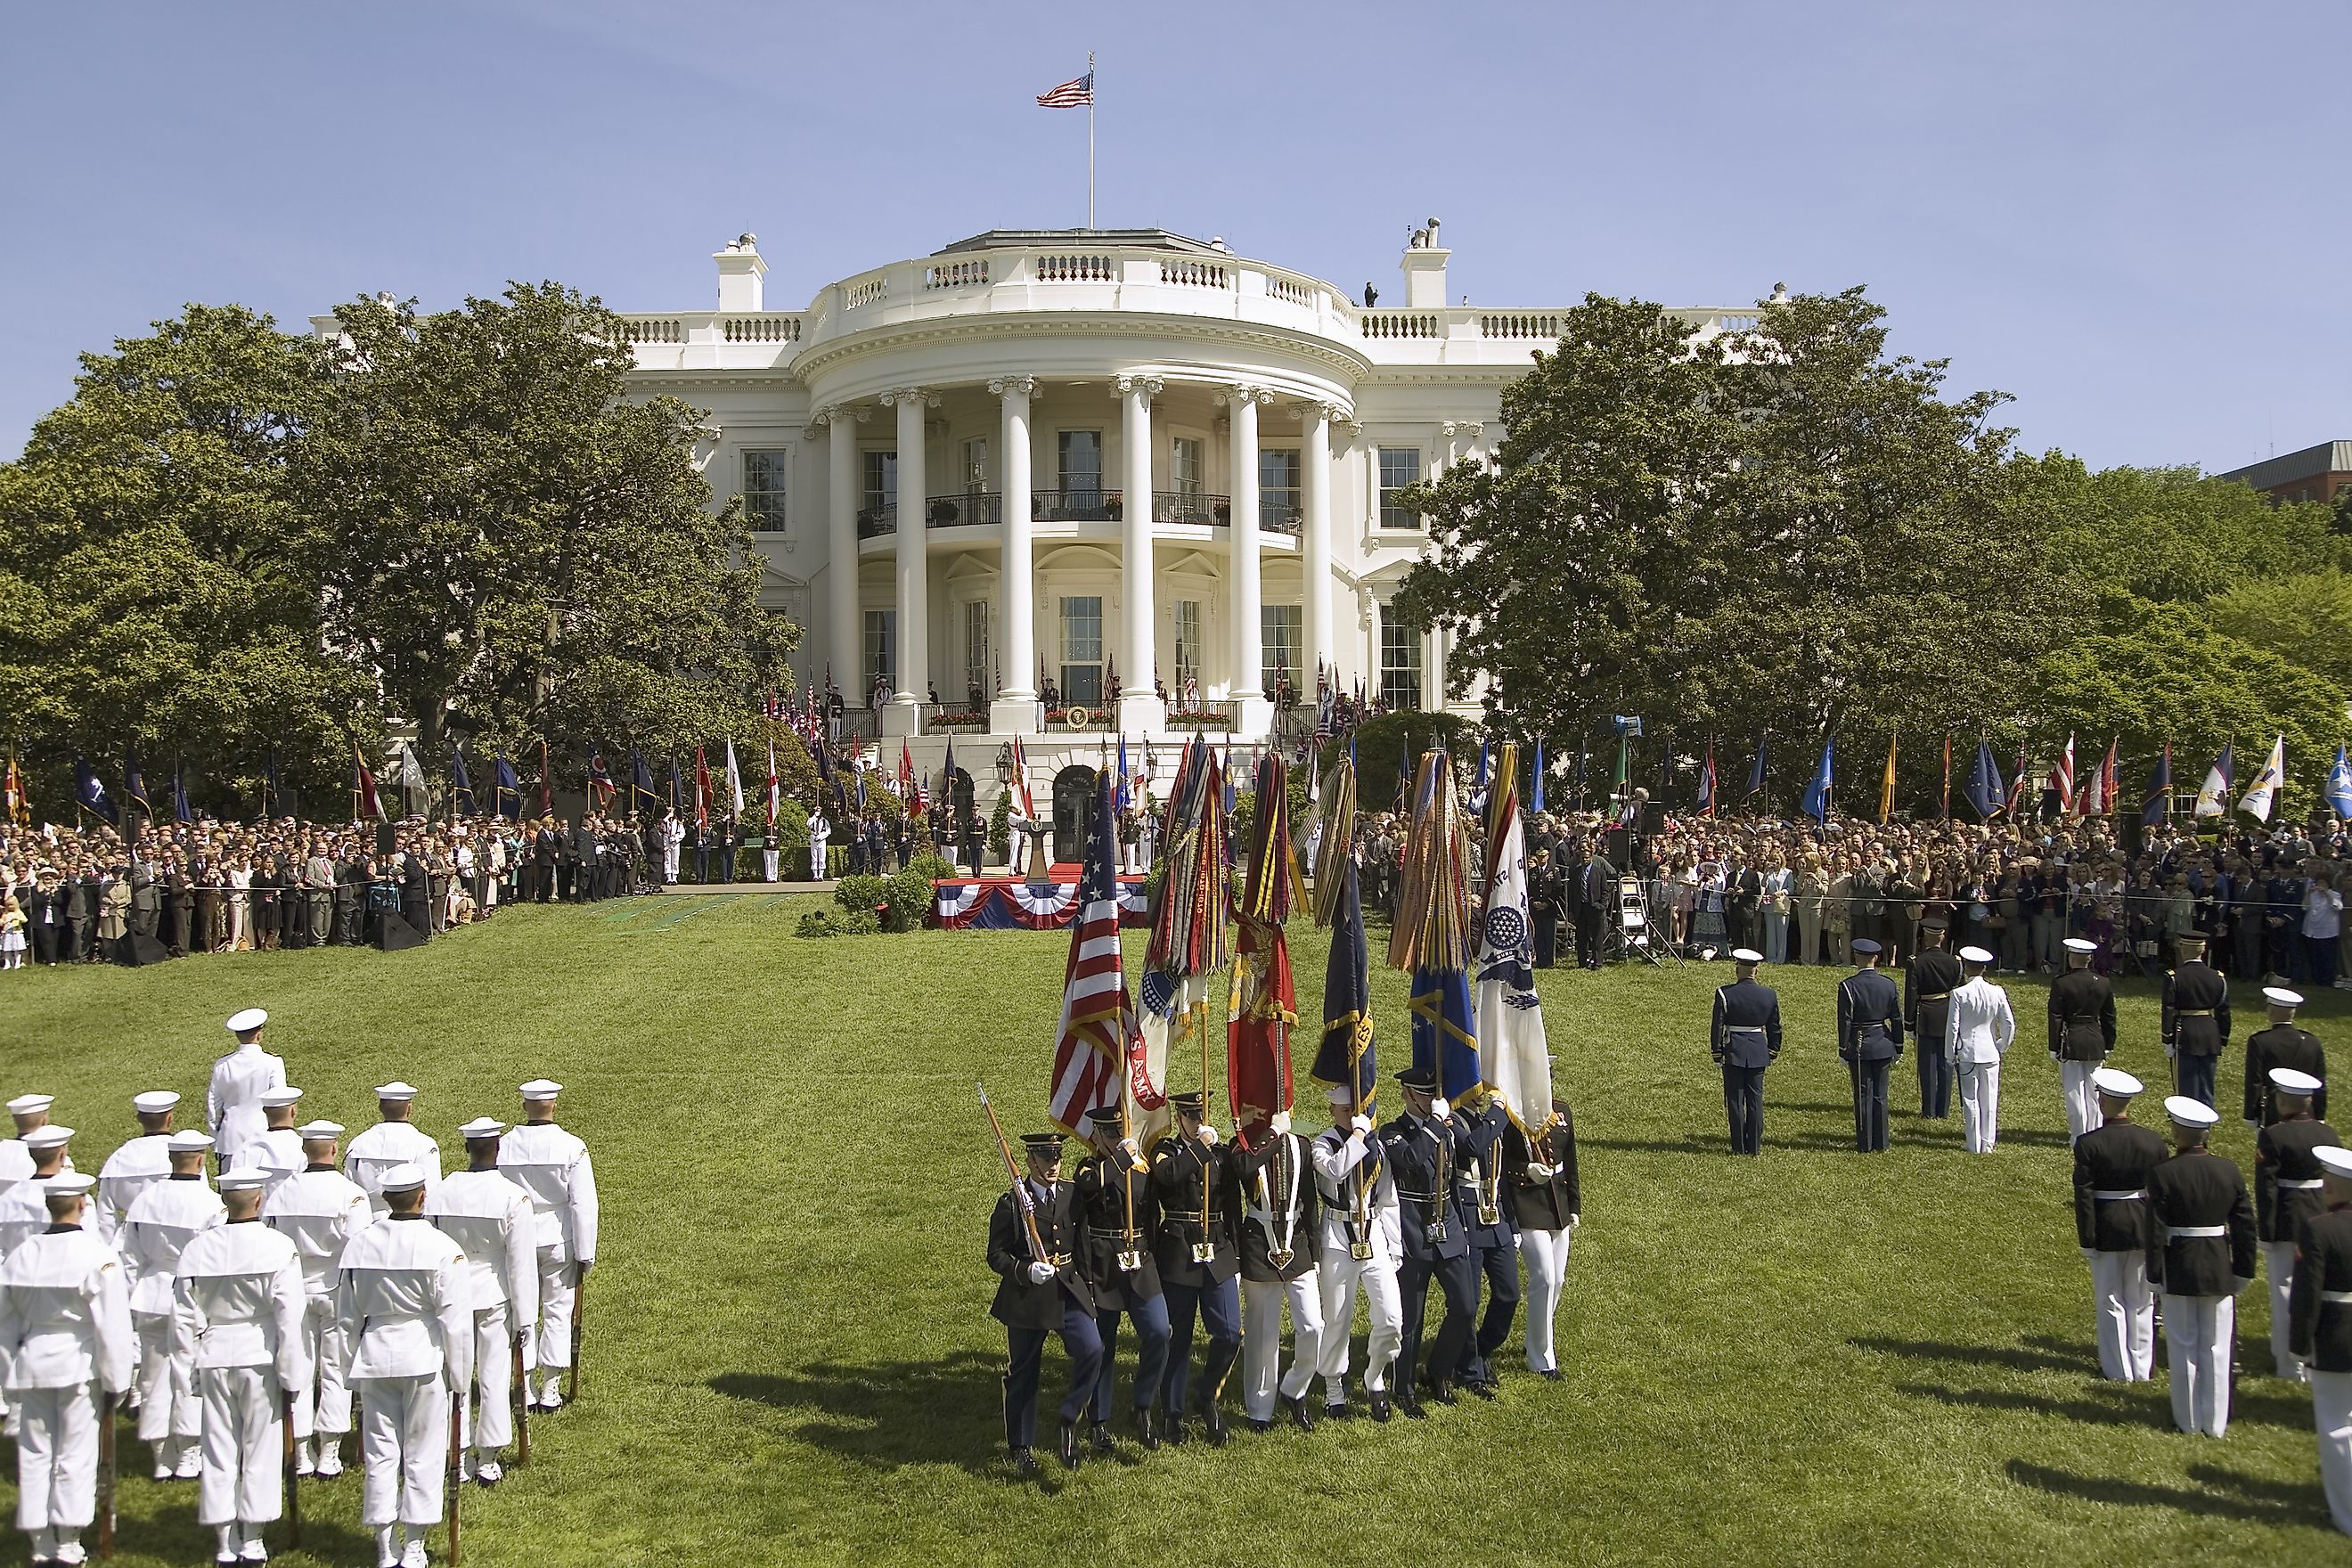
{"x": 2279, "y": 996}
{"x": 190, "y": 1142}
{"x": 2190, "y": 1112}
{"x": 404, "y": 1177}
{"x": 2293, "y": 1081}
{"x": 245, "y": 1022}
{"x": 2335, "y": 1162}
{"x": 50, "y": 1137}
{"x": 154, "y": 1102}
{"x": 242, "y": 1181}
{"x": 483, "y": 1127}
{"x": 276, "y": 1097}
{"x": 1745, "y": 955}
{"x": 2080, "y": 944}
{"x": 1342, "y": 1097}
{"x": 26, "y": 1104}
{"x": 311, "y": 1131}
{"x": 542, "y": 1089}
{"x": 395, "y": 1091}
{"x": 1974, "y": 954}
{"x": 69, "y": 1184}
{"x": 2116, "y": 1082}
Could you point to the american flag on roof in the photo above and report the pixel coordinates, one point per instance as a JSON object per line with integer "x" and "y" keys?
{"x": 1075, "y": 93}
{"x": 1098, "y": 1033}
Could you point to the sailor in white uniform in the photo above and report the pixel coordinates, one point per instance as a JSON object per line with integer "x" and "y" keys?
{"x": 275, "y": 1152}
{"x": 158, "y": 1228}
{"x": 553, "y": 1168}
{"x": 232, "y": 1102}
{"x": 492, "y": 1220}
{"x": 320, "y": 1209}
{"x": 394, "y": 1140}
{"x": 136, "y": 1165}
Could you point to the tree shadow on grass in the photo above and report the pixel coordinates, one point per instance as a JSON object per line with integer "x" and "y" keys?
{"x": 2228, "y": 1495}
{"x": 1688, "y": 1143}
{"x": 2148, "y": 1412}
{"x": 890, "y": 1415}
{"x": 2040, "y": 1354}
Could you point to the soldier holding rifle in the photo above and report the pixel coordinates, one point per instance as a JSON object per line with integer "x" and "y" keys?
{"x": 1114, "y": 1193}
{"x": 1042, "y": 1290}
{"x": 1198, "y": 1249}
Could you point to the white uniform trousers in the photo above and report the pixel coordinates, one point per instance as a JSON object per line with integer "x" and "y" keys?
{"x": 2197, "y": 1331}
{"x": 551, "y": 1346}
{"x": 1546, "y": 1252}
{"x": 2081, "y": 1101}
{"x": 168, "y": 1407}
{"x": 326, "y": 1407}
{"x": 2331, "y": 1414}
{"x": 405, "y": 1447}
{"x": 242, "y": 1479}
{"x": 2278, "y": 1269}
{"x": 2126, "y": 1306}
{"x": 1341, "y": 1277}
{"x": 1980, "y": 1103}
{"x": 57, "y": 1457}
{"x": 489, "y": 1419}
{"x": 1262, "y": 1341}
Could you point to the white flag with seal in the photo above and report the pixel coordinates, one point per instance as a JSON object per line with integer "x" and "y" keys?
{"x": 2262, "y": 793}
{"x": 1514, "y": 1057}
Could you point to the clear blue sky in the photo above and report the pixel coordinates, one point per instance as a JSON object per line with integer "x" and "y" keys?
{"x": 2132, "y": 216}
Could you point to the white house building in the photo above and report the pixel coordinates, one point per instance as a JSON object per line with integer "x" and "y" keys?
{"x": 1049, "y": 459}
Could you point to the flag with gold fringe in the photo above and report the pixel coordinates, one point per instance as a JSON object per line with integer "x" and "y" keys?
{"x": 1431, "y": 940}
{"x": 1263, "y": 1004}
{"x": 1188, "y": 943}
{"x": 1513, "y": 1052}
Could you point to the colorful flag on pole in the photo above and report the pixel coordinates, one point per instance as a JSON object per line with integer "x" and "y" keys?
{"x": 1262, "y": 1004}
{"x": 1886, "y": 785}
{"x": 1076, "y": 93}
{"x": 1021, "y": 779}
{"x": 19, "y": 809}
{"x": 1098, "y": 1037}
{"x": 2213, "y": 798}
{"x": 2018, "y": 784}
{"x": 1347, "y": 1041}
{"x": 1754, "y": 773}
{"x": 1947, "y": 776}
{"x": 734, "y": 782}
{"x": 600, "y": 783}
{"x": 1705, "y": 804}
{"x": 1816, "y": 803}
{"x": 2262, "y": 794}
{"x": 2062, "y": 779}
{"x": 1431, "y": 935}
{"x": 1537, "y": 798}
{"x": 2097, "y": 797}
{"x": 2339, "y": 785}
{"x": 1188, "y": 943}
{"x": 180, "y": 811}
{"x": 2157, "y": 806}
{"x": 461, "y": 782}
{"x": 702, "y": 788}
{"x": 1513, "y": 1052}
{"x": 775, "y": 786}
{"x": 1985, "y": 789}
{"x": 546, "y": 784}
{"x": 367, "y": 803}
{"x": 641, "y": 783}
{"x": 90, "y": 791}
{"x": 134, "y": 788}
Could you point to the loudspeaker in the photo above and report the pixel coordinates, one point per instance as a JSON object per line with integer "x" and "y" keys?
{"x": 386, "y": 838}
{"x": 133, "y": 950}
{"x": 393, "y": 934}
{"x": 1617, "y": 847}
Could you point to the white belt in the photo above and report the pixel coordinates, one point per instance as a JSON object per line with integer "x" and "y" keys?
{"x": 2338, "y": 1298}
{"x": 2311, "y": 1186}
{"x": 1743, "y": 1028}
{"x": 2108, "y": 1197}
{"x": 2191, "y": 1232}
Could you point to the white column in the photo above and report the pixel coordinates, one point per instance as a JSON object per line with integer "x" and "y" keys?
{"x": 1140, "y": 707}
{"x": 904, "y": 716}
{"x": 841, "y": 598}
{"x": 1015, "y": 711}
{"x": 1315, "y": 538}
{"x": 1253, "y": 715}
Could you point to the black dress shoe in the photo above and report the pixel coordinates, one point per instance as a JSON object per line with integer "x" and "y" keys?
{"x": 1339, "y": 1412}
{"x": 1301, "y": 1416}
{"x": 1258, "y": 1426}
{"x": 1175, "y": 1435}
{"x": 1069, "y": 1445}
{"x": 1024, "y": 1461}
{"x": 1483, "y": 1390}
{"x": 1379, "y": 1407}
{"x": 1101, "y": 1438}
{"x": 1441, "y": 1392}
{"x": 1555, "y": 1376}
{"x": 1410, "y": 1403}
{"x": 1212, "y": 1422}
{"x": 1146, "y": 1432}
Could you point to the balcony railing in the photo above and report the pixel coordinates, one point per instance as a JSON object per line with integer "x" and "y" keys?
{"x": 1277, "y": 516}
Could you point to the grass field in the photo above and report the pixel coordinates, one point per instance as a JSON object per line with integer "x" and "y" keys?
{"x": 1816, "y": 1357}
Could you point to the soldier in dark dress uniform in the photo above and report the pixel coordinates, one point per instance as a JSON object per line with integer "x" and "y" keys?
{"x": 1042, "y": 1289}
{"x": 2286, "y": 1195}
{"x": 2111, "y": 1166}
{"x": 1424, "y": 1154}
{"x": 1928, "y": 981}
{"x": 1744, "y": 1039}
{"x": 2319, "y": 1314}
{"x": 1198, "y": 1193}
{"x": 1480, "y": 1189}
{"x": 2284, "y": 1044}
{"x": 2196, "y": 1019}
{"x": 1870, "y": 1037}
{"x": 1115, "y": 1199}
{"x": 2202, "y": 1247}
{"x": 2082, "y": 1032}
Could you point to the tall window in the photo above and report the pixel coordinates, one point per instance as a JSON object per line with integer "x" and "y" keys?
{"x": 764, "y": 491}
{"x": 881, "y": 482}
{"x": 1281, "y": 628}
{"x": 975, "y": 650}
{"x": 1400, "y": 467}
{"x": 881, "y": 647}
{"x": 1188, "y": 639}
{"x": 1082, "y": 650}
{"x": 1400, "y": 664}
{"x": 1278, "y": 487}
{"x": 1081, "y": 468}
{"x": 975, "y": 466}
{"x": 1185, "y": 463}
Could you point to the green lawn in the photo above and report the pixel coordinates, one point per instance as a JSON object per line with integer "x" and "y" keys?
{"x": 1816, "y": 1357}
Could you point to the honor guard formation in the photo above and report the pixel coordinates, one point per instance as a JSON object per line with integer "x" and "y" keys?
{"x": 245, "y": 1321}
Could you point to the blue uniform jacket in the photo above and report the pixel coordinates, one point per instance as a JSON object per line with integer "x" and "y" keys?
{"x": 1747, "y": 1028}
{"x": 1870, "y": 1018}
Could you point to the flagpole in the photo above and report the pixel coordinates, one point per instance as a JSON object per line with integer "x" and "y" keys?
{"x": 1090, "y": 141}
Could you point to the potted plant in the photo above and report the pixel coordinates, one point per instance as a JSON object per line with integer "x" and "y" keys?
{"x": 944, "y": 513}
{"x": 1223, "y": 513}
{"x": 1114, "y": 506}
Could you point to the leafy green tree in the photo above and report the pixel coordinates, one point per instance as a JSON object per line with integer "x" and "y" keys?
{"x": 2169, "y": 535}
{"x": 516, "y": 545}
{"x": 148, "y": 595}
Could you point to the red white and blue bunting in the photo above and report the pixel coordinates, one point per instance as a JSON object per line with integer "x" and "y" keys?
{"x": 1010, "y": 904}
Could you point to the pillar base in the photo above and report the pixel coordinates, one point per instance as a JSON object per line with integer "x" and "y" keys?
{"x": 1142, "y": 713}
{"x": 902, "y": 718}
{"x": 1252, "y": 717}
{"x": 1015, "y": 716}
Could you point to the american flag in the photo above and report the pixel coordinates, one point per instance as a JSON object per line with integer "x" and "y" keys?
{"x": 1075, "y": 93}
{"x": 1098, "y": 1027}
{"x": 2061, "y": 778}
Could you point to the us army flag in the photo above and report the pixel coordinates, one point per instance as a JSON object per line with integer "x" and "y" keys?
{"x": 1512, "y": 1052}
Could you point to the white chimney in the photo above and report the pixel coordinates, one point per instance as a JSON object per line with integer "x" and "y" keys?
{"x": 740, "y": 271}
{"x": 1424, "y": 270}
